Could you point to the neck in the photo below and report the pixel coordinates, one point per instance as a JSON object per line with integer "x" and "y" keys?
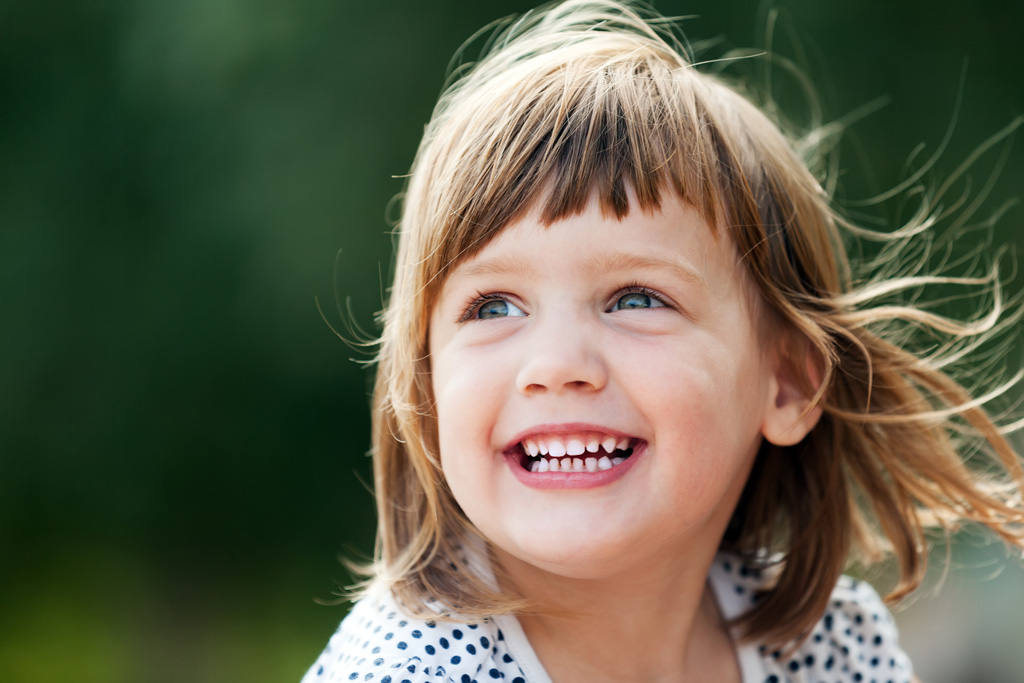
{"x": 659, "y": 623}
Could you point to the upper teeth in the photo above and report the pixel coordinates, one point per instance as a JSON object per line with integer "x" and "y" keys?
{"x": 574, "y": 445}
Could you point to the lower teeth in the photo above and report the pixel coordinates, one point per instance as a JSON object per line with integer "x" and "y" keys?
{"x": 542, "y": 464}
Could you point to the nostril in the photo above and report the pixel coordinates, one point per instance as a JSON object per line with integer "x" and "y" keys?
{"x": 574, "y": 385}
{"x": 560, "y": 364}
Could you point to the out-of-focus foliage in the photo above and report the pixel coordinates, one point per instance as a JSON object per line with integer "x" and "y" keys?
{"x": 182, "y": 435}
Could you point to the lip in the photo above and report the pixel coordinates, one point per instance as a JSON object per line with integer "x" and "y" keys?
{"x": 569, "y": 480}
{"x": 564, "y": 428}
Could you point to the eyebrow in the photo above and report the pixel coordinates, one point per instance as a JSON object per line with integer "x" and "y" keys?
{"x": 517, "y": 265}
{"x": 620, "y": 261}
{"x": 506, "y": 265}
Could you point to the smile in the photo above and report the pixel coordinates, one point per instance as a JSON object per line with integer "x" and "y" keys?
{"x": 580, "y": 452}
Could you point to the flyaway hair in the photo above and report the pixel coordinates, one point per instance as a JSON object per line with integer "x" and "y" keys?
{"x": 591, "y": 98}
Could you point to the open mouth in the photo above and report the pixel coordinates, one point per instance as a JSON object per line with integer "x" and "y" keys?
{"x": 585, "y": 452}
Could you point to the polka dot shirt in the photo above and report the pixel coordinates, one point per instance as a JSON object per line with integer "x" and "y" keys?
{"x": 855, "y": 641}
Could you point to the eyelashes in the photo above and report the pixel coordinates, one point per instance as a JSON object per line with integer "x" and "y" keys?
{"x": 637, "y": 296}
{"x": 485, "y": 306}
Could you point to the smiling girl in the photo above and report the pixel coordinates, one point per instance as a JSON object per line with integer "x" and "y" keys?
{"x": 632, "y": 415}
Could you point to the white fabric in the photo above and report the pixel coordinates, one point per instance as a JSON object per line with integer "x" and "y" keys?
{"x": 855, "y": 641}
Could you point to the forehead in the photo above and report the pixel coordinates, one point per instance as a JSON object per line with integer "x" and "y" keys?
{"x": 673, "y": 238}
{"x": 463, "y": 237}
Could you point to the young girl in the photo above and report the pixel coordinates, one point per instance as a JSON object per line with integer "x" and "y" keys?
{"x": 634, "y": 415}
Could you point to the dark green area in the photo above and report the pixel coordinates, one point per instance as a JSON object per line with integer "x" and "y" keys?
{"x": 182, "y": 435}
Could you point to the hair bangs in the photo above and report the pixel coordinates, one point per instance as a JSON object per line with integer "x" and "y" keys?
{"x": 590, "y": 128}
{"x": 589, "y": 100}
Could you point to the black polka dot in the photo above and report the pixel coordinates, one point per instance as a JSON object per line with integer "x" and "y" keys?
{"x": 840, "y": 646}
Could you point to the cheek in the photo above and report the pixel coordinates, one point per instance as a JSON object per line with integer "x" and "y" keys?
{"x": 707, "y": 402}
{"x": 685, "y": 382}
{"x": 467, "y": 402}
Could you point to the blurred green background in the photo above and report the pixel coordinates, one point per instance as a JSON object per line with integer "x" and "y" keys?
{"x": 182, "y": 435}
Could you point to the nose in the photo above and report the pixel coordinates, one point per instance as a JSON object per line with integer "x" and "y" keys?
{"x": 561, "y": 358}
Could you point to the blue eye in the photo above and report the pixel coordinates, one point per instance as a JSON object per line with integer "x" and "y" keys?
{"x": 636, "y": 299}
{"x": 497, "y": 308}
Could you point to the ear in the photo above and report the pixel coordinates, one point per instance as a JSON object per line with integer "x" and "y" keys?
{"x": 790, "y": 415}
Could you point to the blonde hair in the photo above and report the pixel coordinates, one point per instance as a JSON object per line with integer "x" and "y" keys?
{"x": 589, "y": 98}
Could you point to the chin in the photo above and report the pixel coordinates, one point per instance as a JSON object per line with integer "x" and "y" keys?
{"x": 582, "y": 557}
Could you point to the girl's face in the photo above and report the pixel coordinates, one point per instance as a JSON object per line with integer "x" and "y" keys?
{"x": 602, "y": 389}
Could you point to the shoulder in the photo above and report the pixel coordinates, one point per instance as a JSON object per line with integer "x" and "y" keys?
{"x": 855, "y": 640}
{"x": 378, "y": 642}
